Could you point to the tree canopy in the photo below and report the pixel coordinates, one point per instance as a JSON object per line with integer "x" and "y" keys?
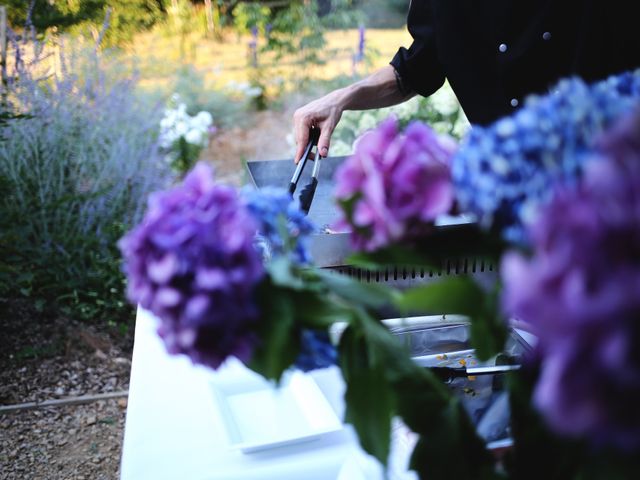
{"x": 126, "y": 16}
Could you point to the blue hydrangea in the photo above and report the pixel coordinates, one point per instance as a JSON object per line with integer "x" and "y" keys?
{"x": 317, "y": 351}
{"x": 283, "y": 227}
{"x": 503, "y": 172}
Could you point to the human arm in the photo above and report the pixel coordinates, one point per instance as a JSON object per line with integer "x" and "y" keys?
{"x": 378, "y": 90}
{"x": 413, "y": 70}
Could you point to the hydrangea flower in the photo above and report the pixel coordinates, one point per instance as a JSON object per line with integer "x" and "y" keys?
{"x": 394, "y": 183}
{"x": 283, "y": 227}
{"x": 316, "y": 352}
{"x": 503, "y": 172}
{"x": 581, "y": 293}
{"x": 192, "y": 262}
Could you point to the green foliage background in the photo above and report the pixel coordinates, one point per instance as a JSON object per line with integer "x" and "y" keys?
{"x": 125, "y": 18}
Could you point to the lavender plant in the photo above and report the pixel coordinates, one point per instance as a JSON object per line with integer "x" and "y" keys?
{"x": 74, "y": 173}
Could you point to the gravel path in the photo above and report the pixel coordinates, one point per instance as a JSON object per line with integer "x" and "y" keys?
{"x": 73, "y": 442}
{"x": 44, "y": 358}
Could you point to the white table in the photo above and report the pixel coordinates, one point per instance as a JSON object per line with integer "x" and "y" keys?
{"x": 174, "y": 429}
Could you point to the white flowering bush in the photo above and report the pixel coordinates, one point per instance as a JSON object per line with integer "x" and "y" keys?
{"x": 243, "y": 89}
{"x": 441, "y": 111}
{"x": 257, "y": 90}
{"x": 184, "y": 136}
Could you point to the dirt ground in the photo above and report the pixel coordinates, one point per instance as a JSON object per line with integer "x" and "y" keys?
{"x": 267, "y": 136}
{"x": 45, "y": 358}
{"x": 52, "y": 358}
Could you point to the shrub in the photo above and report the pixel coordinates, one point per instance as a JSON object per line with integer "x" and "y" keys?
{"x": 126, "y": 17}
{"x": 198, "y": 94}
{"x": 74, "y": 175}
{"x": 182, "y": 136}
{"x": 441, "y": 111}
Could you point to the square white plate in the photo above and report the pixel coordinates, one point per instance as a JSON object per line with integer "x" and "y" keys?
{"x": 258, "y": 415}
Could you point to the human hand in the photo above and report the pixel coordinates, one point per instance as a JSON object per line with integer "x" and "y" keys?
{"x": 323, "y": 113}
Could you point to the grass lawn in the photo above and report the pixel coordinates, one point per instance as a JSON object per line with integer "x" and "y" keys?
{"x": 158, "y": 57}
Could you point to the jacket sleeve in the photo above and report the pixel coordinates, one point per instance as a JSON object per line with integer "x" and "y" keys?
{"x": 417, "y": 67}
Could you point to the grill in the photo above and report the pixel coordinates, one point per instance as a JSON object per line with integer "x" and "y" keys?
{"x": 433, "y": 340}
{"x": 331, "y": 251}
{"x": 409, "y": 276}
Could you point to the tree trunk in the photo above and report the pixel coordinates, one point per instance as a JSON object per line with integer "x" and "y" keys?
{"x": 209, "y": 13}
{"x": 3, "y": 46}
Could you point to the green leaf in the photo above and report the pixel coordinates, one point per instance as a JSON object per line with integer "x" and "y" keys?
{"x": 435, "y": 246}
{"x": 383, "y": 381}
{"x": 456, "y": 295}
{"x": 462, "y": 295}
{"x": 563, "y": 457}
{"x": 370, "y": 400}
{"x": 316, "y": 310}
{"x": 488, "y": 336}
{"x": 488, "y": 328}
{"x": 283, "y": 274}
{"x": 419, "y": 393}
{"x": 420, "y": 397}
{"x": 27, "y": 277}
{"x": 280, "y": 341}
{"x": 381, "y": 259}
{"x": 367, "y": 295}
{"x": 452, "y": 449}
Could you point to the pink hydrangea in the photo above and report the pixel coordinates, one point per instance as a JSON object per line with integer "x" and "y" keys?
{"x": 394, "y": 183}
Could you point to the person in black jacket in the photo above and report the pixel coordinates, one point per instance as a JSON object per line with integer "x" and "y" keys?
{"x": 492, "y": 52}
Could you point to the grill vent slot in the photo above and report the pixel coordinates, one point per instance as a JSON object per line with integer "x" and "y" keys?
{"x": 460, "y": 266}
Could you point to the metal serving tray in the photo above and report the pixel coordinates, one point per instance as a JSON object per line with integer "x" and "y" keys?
{"x": 484, "y": 397}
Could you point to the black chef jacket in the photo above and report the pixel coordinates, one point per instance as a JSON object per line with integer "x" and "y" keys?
{"x": 494, "y": 52}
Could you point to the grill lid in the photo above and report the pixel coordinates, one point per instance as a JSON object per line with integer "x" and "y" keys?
{"x": 277, "y": 173}
{"x": 327, "y": 250}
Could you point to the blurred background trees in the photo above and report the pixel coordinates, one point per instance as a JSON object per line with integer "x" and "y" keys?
{"x": 103, "y": 101}
{"x": 126, "y": 17}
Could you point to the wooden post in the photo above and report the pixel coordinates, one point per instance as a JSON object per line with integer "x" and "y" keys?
{"x": 3, "y": 45}
{"x": 209, "y": 14}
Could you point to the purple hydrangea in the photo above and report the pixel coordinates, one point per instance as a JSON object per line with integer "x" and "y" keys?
{"x": 580, "y": 291}
{"x": 192, "y": 262}
{"x": 503, "y": 172}
{"x": 284, "y": 229}
{"x": 394, "y": 183}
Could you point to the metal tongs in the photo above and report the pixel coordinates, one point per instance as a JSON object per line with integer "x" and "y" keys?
{"x": 447, "y": 374}
{"x": 306, "y": 196}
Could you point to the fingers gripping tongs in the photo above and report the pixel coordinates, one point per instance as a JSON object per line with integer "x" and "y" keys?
{"x": 306, "y": 196}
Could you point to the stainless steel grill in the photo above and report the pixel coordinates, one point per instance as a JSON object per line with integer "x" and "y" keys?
{"x": 331, "y": 250}
{"x": 434, "y": 341}
{"x": 413, "y": 275}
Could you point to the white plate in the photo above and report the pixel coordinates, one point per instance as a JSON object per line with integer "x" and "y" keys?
{"x": 258, "y": 414}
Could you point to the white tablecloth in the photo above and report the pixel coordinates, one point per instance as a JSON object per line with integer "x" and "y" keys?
{"x": 174, "y": 429}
